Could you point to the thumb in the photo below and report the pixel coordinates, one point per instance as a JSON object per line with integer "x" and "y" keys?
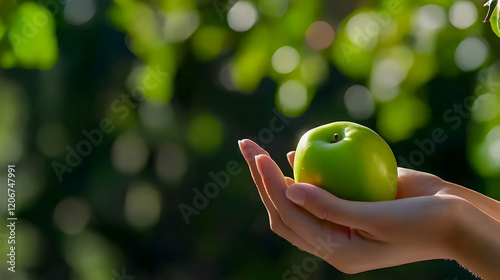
{"x": 326, "y": 206}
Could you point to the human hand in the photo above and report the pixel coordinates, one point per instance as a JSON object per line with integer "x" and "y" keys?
{"x": 357, "y": 236}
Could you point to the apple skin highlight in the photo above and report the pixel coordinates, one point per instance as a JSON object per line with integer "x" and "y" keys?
{"x": 357, "y": 164}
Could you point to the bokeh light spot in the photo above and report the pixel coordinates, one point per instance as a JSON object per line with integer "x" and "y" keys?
{"x": 386, "y": 78}
{"x": 493, "y": 147}
{"x": 242, "y": 16}
{"x": 7, "y": 59}
{"x": 251, "y": 62}
{"x": 142, "y": 205}
{"x": 90, "y": 255}
{"x": 156, "y": 116}
{"x": 471, "y": 53}
{"x": 285, "y": 60}
{"x": 494, "y": 152}
{"x": 13, "y": 115}
{"x": 313, "y": 69}
{"x": 31, "y": 250}
{"x": 129, "y": 153}
{"x": 320, "y": 35}
{"x": 363, "y": 31}
{"x": 463, "y": 14}
{"x": 359, "y": 102}
{"x": 51, "y": 138}
{"x": 78, "y": 12}
{"x": 71, "y": 215}
{"x": 208, "y": 42}
{"x": 225, "y": 78}
{"x": 180, "y": 25}
{"x": 171, "y": 163}
{"x": 486, "y": 107}
{"x": 430, "y": 17}
{"x": 397, "y": 120}
{"x": 205, "y": 133}
{"x": 292, "y": 98}
{"x": 273, "y": 8}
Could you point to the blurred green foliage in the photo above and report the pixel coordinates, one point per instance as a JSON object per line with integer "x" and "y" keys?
{"x": 143, "y": 102}
{"x": 32, "y": 42}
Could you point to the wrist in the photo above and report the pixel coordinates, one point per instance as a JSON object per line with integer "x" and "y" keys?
{"x": 475, "y": 243}
{"x": 483, "y": 203}
{"x": 457, "y": 230}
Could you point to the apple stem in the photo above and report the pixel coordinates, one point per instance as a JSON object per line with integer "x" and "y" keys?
{"x": 335, "y": 138}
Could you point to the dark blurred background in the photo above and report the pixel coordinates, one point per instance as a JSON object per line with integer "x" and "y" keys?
{"x": 118, "y": 114}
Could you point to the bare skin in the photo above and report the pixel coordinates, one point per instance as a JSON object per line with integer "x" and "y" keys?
{"x": 430, "y": 219}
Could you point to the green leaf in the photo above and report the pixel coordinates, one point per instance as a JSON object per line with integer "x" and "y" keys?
{"x": 494, "y": 21}
{"x": 493, "y": 16}
{"x": 491, "y": 4}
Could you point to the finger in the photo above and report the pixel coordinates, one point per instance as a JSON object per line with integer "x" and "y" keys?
{"x": 289, "y": 181}
{"x": 326, "y": 206}
{"x": 302, "y": 222}
{"x": 412, "y": 183}
{"x": 249, "y": 150}
{"x": 291, "y": 157}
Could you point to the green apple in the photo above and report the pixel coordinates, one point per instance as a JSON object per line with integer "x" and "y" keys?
{"x": 349, "y": 160}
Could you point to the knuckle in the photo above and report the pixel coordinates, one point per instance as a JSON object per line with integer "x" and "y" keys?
{"x": 320, "y": 209}
{"x": 433, "y": 179}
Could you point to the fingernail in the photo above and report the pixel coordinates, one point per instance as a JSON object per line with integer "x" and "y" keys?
{"x": 296, "y": 195}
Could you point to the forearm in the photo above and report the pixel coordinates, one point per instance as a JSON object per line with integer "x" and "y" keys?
{"x": 476, "y": 243}
{"x": 480, "y": 201}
